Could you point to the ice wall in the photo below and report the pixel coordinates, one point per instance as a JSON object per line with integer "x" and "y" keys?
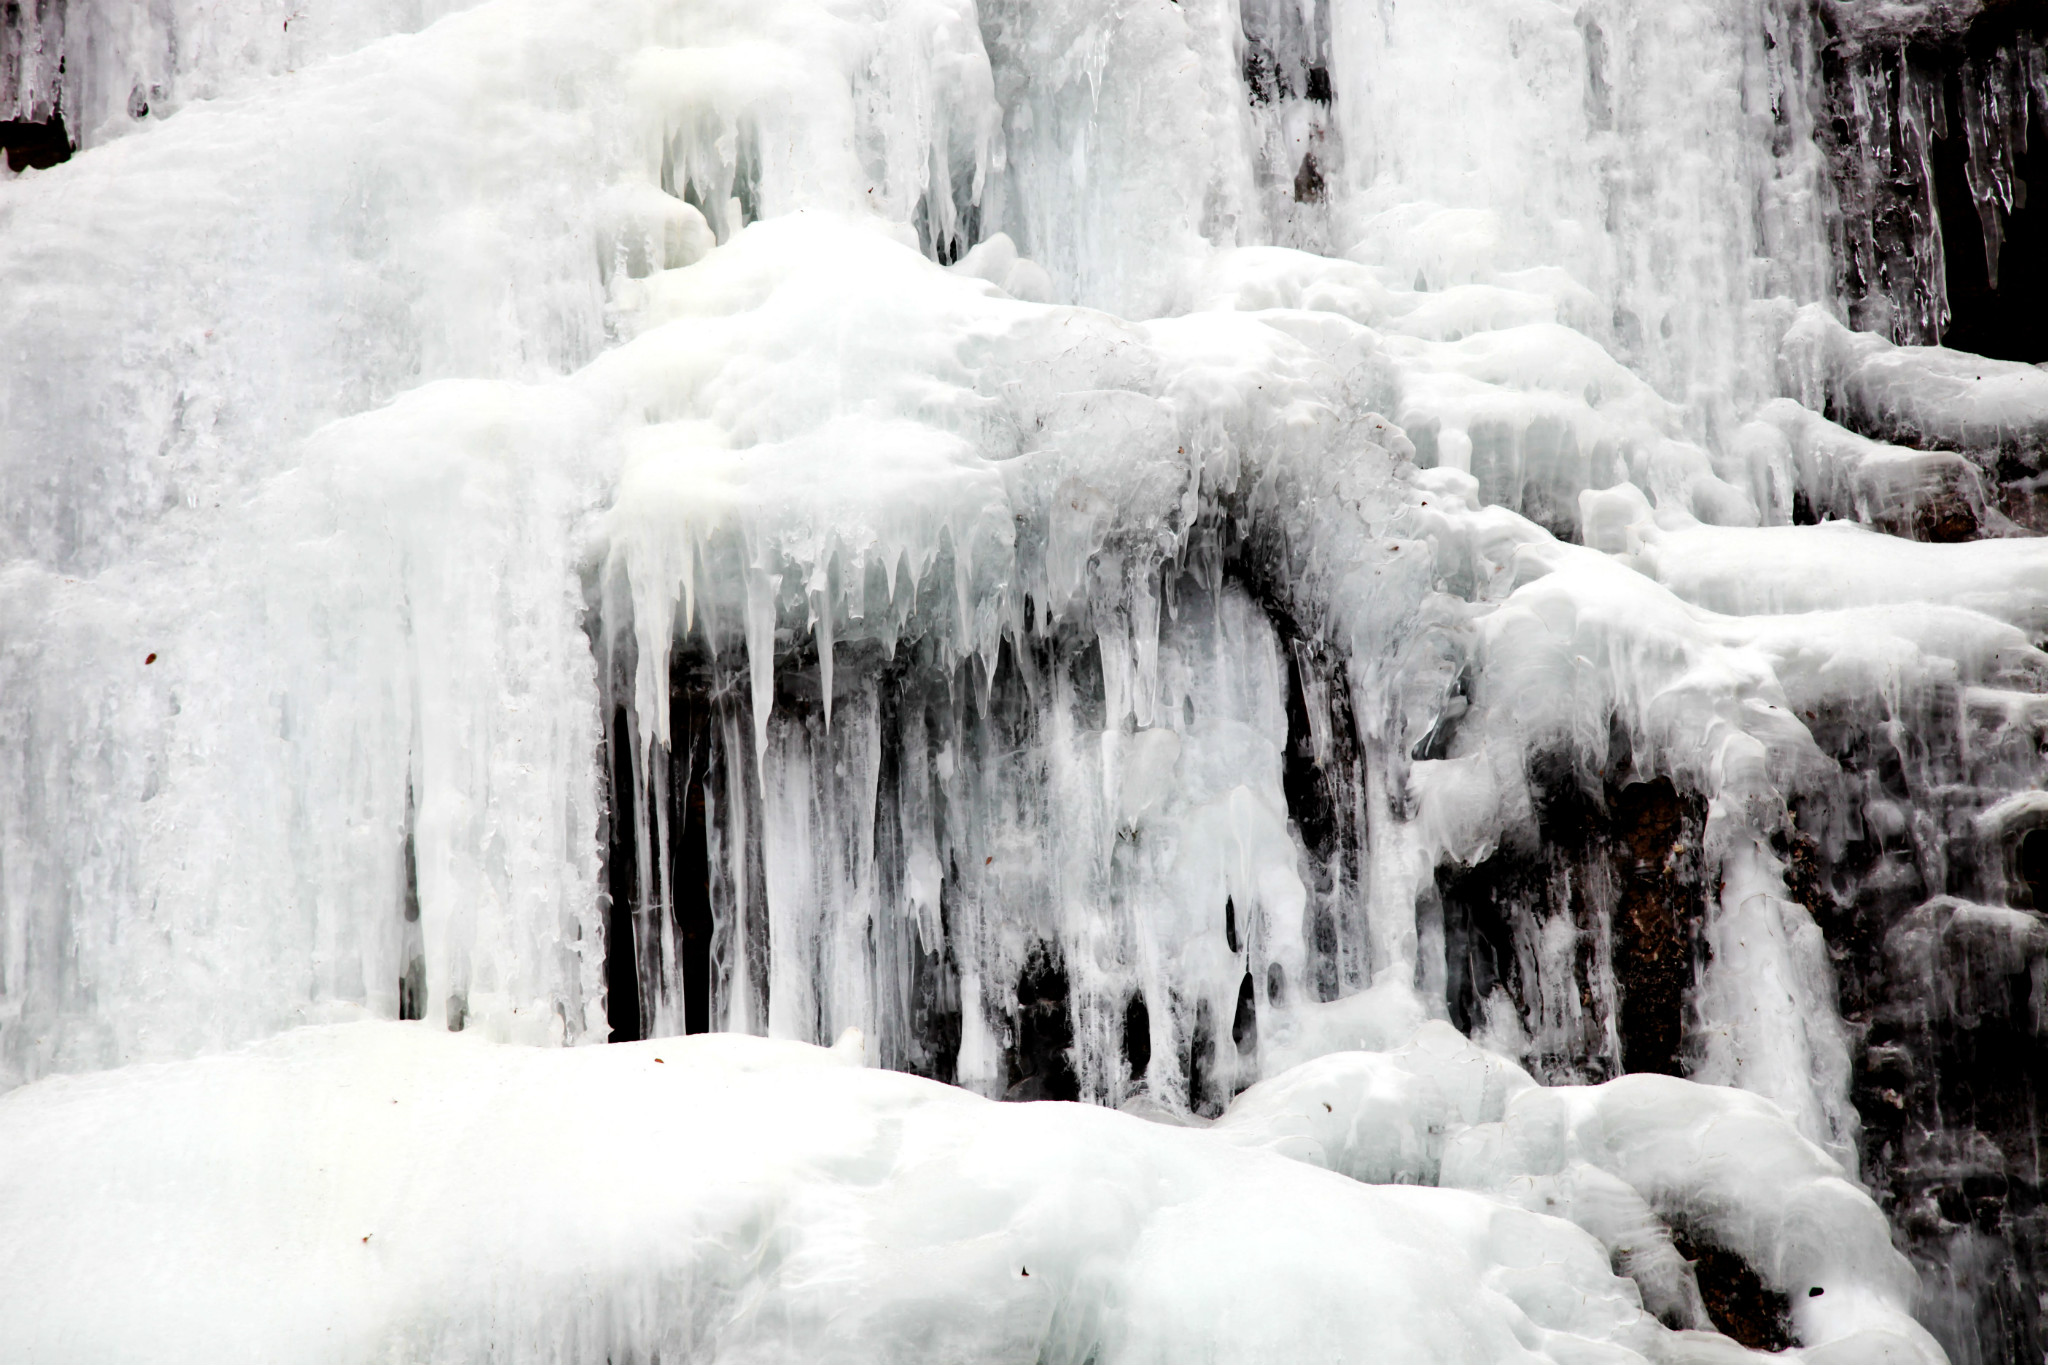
{"x": 1122, "y": 553}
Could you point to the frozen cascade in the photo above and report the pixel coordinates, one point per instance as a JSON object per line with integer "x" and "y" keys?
{"x": 1398, "y": 598}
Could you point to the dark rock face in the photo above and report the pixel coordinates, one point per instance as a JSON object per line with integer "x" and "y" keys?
{"x": 1738, "y": 1302}
{"x": 1623, "y": 872}
{"x": 1656, "y": 924}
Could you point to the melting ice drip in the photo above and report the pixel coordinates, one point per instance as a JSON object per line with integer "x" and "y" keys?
{"x": 1326, "y": 575}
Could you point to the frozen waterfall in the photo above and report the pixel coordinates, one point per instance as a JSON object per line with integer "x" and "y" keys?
{"x": 1232, "y": 680}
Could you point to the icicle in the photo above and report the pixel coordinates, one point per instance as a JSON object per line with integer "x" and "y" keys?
{"x": 761, "y": 598}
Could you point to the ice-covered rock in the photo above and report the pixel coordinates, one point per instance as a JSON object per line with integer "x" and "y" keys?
{"x": 1250, "y": 564}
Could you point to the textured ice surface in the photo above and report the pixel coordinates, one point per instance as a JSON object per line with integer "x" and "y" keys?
{"x": 1155, "y": 556}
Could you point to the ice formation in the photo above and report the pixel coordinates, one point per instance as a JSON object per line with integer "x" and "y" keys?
{"x": 1400, "y": 592}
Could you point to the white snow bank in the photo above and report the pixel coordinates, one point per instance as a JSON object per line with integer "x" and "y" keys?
{"x": 415, "y": 1195}
{"x": 1726, "y": 1166}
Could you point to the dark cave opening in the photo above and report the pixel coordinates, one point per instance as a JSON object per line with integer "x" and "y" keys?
{"x": 2008, "y": 319}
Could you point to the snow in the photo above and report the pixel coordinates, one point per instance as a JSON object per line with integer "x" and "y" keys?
{"x": 488, "y": 1204}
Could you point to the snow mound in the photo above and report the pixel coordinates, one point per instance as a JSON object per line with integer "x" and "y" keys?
{"x": 422, "y": 1195}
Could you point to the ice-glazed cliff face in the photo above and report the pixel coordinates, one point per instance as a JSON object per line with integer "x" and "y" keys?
{"x": 1382, "y": 592}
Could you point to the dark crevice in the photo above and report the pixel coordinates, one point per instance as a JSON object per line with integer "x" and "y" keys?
{"x": 2030, "y": 866}
{"x": 1201, "y": 1067}
{"x": 689, "y": 766}
{"x": 1137, "y": 1036}
{"x": 1323, "y": 955}
{"x": 1244, "y": 1022}
{"x": 621, "y": 969}
{"x": 932, "y": 1048}
{"x": 1320, "y": 759}
{"x": 1322, "y": 771}
{"x": 943, "y": 245}
{"x": 693, "y": 914}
